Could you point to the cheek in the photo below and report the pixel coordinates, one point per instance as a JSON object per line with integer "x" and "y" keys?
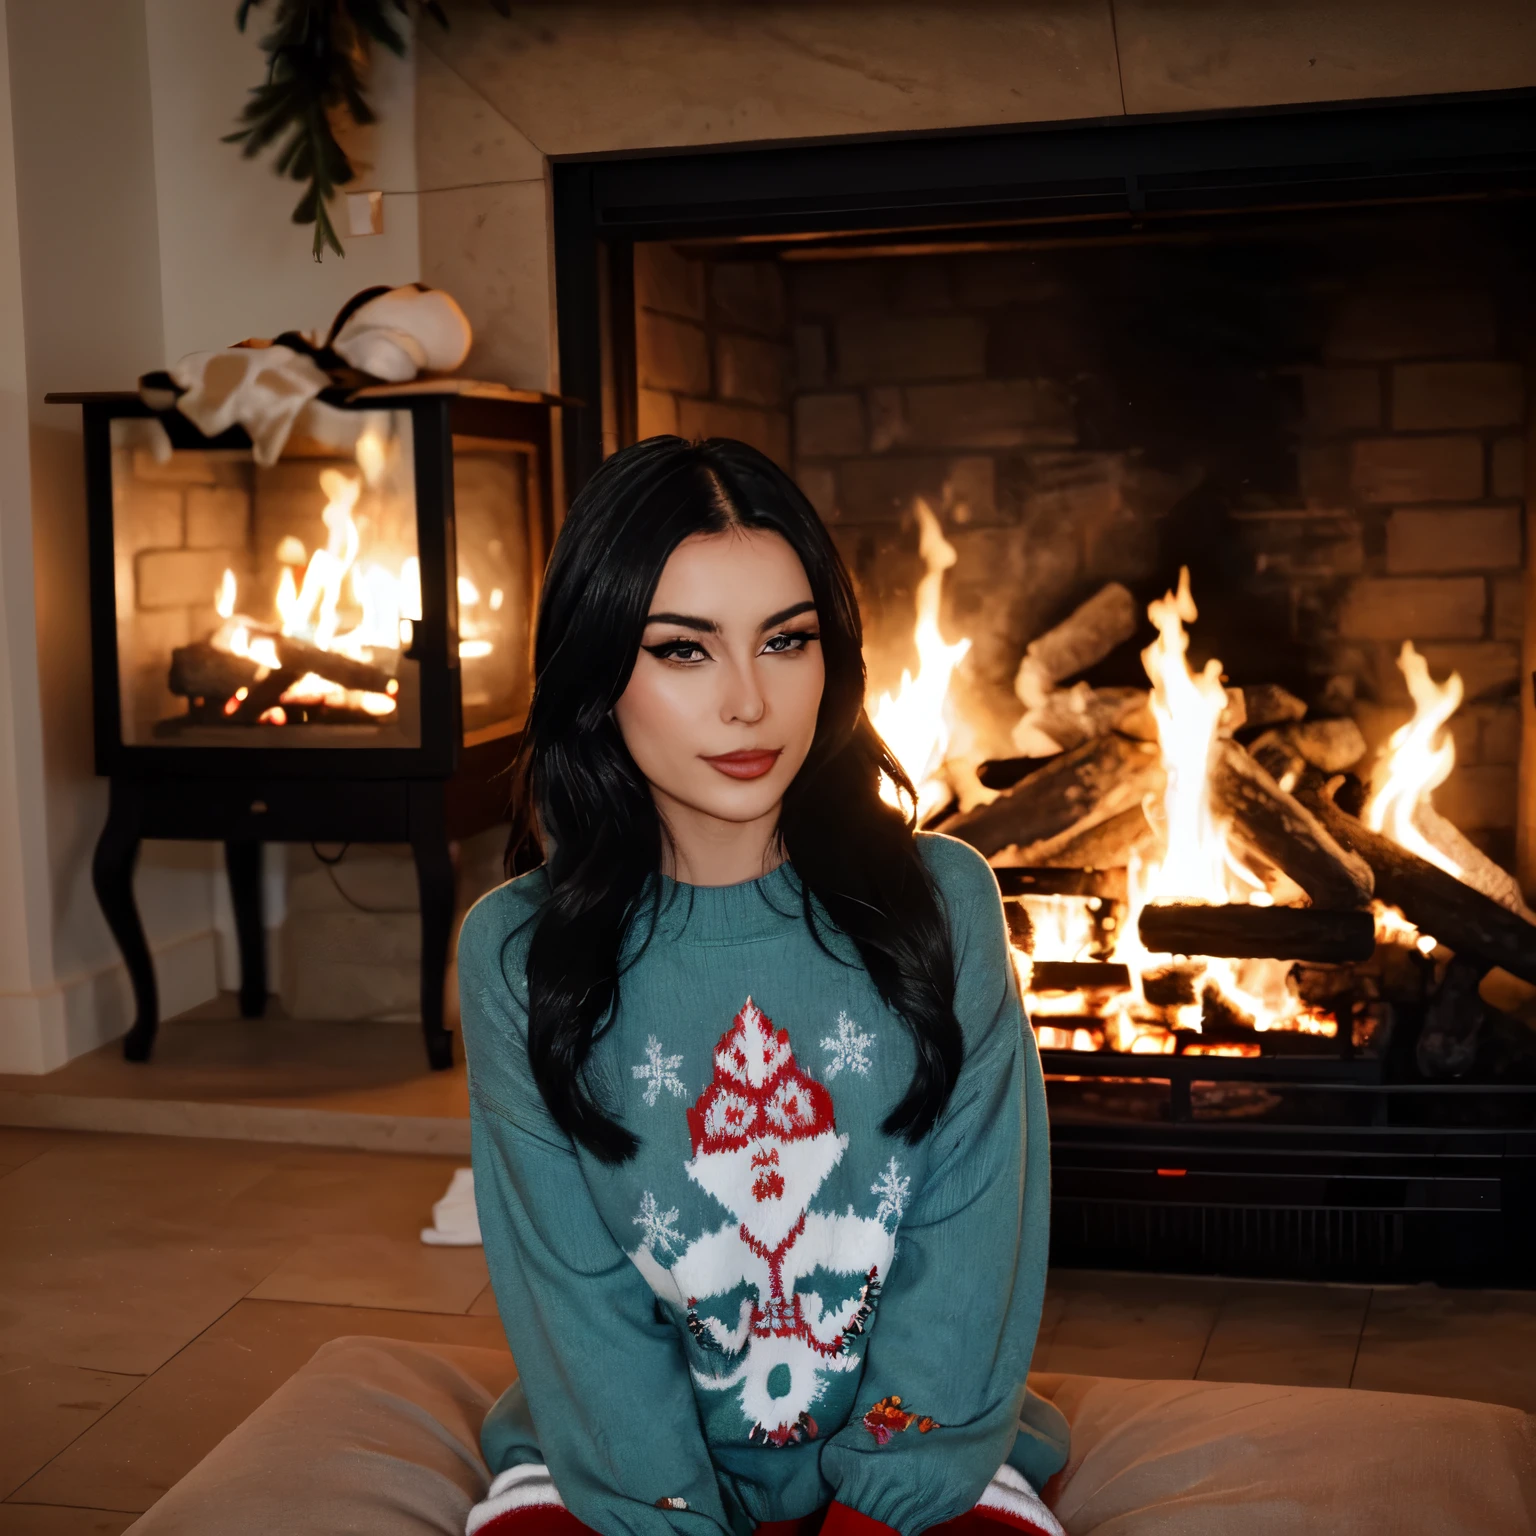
{"x": 797, "y": 695}
{"x": 656, "y": 715}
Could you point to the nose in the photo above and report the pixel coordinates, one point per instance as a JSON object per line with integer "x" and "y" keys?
{"x": 743, "y": 703}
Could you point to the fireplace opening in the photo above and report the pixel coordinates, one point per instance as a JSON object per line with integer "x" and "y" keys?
{"x": 1192, "y": 551}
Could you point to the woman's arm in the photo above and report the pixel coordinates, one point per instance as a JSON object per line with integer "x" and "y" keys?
{"x": 605, "y": 1380}
{"x": 944, "y": 1379}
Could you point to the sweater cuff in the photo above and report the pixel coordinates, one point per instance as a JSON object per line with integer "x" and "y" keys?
{"x": 843, "y": 1521}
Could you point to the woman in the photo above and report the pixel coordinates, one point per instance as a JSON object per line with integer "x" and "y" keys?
{"x": 759, "y": 1128}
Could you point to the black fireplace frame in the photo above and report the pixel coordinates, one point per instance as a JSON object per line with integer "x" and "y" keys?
{"x": 1396, "y": 1197}
{"x": 1108, "y": 176}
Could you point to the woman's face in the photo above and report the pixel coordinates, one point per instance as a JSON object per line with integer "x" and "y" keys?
{"x": 721, "y": 707}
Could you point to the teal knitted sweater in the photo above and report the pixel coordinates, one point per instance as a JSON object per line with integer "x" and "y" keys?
{"x": 774, "y": 1305}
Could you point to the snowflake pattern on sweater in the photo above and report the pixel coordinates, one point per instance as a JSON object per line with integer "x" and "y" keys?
{"x": 764, "y": 1139}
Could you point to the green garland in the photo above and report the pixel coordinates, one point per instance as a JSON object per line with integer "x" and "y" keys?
{"x": 314, "y": 54}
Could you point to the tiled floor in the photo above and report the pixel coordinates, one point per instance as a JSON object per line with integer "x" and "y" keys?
{"x": 323, "y": 1083}
{"x": 153, "y": 1291}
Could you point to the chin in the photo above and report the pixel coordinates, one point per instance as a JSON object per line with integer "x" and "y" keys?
{"x": 738, "y": 800}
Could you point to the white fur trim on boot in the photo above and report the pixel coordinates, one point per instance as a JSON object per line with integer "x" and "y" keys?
{"x": 1009, "y": 1495}
{"x": 526, "y": 1487}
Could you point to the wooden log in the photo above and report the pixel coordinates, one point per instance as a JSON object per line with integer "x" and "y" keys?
{"x": 1248, "y": 933}
{"x": 1090, "y": 784}
{"x": 1070, "y": 716}
{"x": 1268, "y": 704}
{"x": 1004, "y": 772}
{"x": 203, "y": 671}
{"x": 1464, "y": 920}
{"x": 1331, "y": 745}
{"x": 1078, "y": 975}
{"x": 299, "y": 657}
{"x": 1107, "y": 884}
{"x": 1477, "y": 869}
{"x": 1104, "y": 845}
{"x": 1087, "y": 635}
{"x": 1277, "y": 827}
{"x": 1453, "y": 1021}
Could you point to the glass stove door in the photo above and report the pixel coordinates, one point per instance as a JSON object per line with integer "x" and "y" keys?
{"x": 267, "y": 607}
{"x": 494, "y": 493}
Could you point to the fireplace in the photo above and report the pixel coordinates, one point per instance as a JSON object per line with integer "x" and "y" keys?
{"x": 332, "y": 647}
{"x": 1058, "y": 392}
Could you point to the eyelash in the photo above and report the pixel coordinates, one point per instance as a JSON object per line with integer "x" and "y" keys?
{"x": 672, "y": 650}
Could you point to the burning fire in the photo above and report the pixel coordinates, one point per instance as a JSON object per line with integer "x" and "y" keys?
{"x": 1418, "y": 760}
{"x": 914, "y": 721}
{"x": 1196, "y": 862}
{"x": 344, "y": 579}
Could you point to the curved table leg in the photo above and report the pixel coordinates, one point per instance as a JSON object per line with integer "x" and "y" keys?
{"x": 243, "y": 862}
{"x": 437, "y": 881}
{"x": 117, "y": 851}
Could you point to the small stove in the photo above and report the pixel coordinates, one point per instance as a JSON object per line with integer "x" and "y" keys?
{"x": 333, "y": 647}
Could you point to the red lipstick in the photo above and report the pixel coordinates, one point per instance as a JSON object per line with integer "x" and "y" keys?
{"x": 746, "y": 765}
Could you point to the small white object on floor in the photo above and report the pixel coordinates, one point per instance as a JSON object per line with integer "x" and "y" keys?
{"x": 455, "y": 1222}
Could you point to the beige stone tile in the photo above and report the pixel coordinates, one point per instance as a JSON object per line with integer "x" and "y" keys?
{"x": 122, "y": 1300}
{"x": 1474, "y": 1344}
{"x": 156, "y": 1435}
{"x": 1138, "y": 1326}
{"x": 1286, "y": 1335}
{"x": 460, "y": 137}
{"x": 368, "y": 1271}
{"x": 43, "y": 1407}
{"x": 38, "y": 1520}
{"x": 1182, "y": 58}
{"x": 589, "y": 77}
{"x": 212, "y": 1057}
{"x": 18, "y": 1146}
{"x": 105, "y": 1182}
{"x": 489, "y": 247}
{"x": 319, "y": 1193}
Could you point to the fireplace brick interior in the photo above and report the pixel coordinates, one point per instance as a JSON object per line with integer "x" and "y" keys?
{"x": 1322, "y": 417}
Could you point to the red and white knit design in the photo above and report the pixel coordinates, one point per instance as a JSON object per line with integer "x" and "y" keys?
{"x": 758, "y": 1090}
{"x": 524, "y": 1488}
{"x": 1011, "y": 1501}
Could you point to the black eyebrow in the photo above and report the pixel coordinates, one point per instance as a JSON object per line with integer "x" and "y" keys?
{"x": 808, "y": 606}
{"x": 709, "y": 627}
{"x": 684, "y": 621}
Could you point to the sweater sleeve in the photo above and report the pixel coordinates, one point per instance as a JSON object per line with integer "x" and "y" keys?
{"x": 944, "y": 1379}
{"x": 601, "y": 1375}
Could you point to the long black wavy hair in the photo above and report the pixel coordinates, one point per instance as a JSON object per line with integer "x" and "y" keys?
{"x": 581, "y": 805}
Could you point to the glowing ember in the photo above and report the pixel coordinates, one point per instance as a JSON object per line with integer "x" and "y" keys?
{"x": 1419, "y": 758}
{"x": 913, "y": 722}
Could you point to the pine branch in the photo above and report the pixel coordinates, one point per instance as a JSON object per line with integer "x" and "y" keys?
{"x": 315, "y": 51}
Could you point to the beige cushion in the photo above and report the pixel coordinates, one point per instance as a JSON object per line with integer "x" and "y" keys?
{"x": 1208, "y": 1458}
{"x": 374, "y": 1436}
{"x": 380, "y": 1437}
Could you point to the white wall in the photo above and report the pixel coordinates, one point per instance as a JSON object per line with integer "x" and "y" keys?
{"x": 232, "y": 265}
{"x": 128, "y": 235}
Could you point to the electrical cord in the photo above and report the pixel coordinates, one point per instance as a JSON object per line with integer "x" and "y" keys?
{"x": 330, "y": 863}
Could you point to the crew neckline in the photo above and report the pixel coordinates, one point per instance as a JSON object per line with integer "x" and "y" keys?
{"x": 727, "y": 914}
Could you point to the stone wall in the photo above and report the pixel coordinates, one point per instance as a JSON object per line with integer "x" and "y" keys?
{"x": 710, "y": 349}
{"x": 1322, "y": 419}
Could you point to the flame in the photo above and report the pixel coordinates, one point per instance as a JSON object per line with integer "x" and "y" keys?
{"x": 1186, "y": 707}
{"x": 372, "y": 454}
{"x": 1418, "y": 759}
{"x": 224, "y": 603}
{"x": 1196, "y": 863}
{"x": 913, "y": 723}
